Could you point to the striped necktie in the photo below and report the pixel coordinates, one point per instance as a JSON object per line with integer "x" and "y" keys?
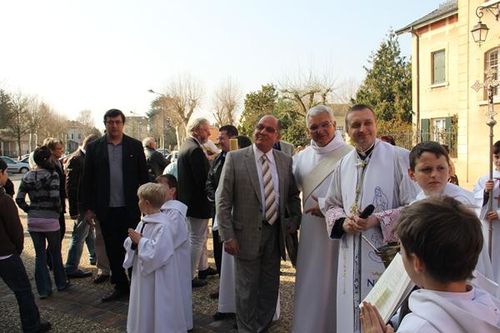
{"x": 269, "y": 195}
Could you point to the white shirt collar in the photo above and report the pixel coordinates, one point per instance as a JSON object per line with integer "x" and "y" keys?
{"x": 258, "y": 154}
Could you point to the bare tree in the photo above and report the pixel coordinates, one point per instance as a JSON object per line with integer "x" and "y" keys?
{"x": 307, "y": 90}
{"x": 18, "y": 124}
{"x": 225, "y": 103}
{"x": 181, "y": 99}
{"x": 345, "y": 92}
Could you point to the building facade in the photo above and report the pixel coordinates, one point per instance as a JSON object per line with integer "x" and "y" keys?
{"x": 446, "y": 62}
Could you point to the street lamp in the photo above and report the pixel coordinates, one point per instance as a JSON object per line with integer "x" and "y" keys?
{"x": 480, "y": 30}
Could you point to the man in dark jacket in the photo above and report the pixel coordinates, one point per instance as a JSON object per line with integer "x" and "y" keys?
{"x": 226, "y": 133}
{"x": 115, "y": 167}
{"x": 154, "y": 159}
{"x": 192, "y": 168}
{"x": 74, "y": 186}
{"x": 12, "y": 269}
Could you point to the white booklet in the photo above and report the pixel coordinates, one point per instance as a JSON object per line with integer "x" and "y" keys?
{"x": 393, "y": 286}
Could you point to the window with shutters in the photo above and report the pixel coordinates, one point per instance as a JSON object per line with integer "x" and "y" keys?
{"x": 443, "y": 130}
{"x": 491, "y": 65}
{"x": 438, "y": 67}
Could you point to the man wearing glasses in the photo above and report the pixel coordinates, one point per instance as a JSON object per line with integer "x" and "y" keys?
{"x": 255, "y": 189}
{"x": 115, "y": 167}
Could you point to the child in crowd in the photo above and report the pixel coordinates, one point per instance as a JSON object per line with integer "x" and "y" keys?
{"x": 429, "y": 167}
{"x": 482, "y": 192}
{"x": 156, "y": 291}
{"x": 440, "y": 243}
{"x": 12, "y": 269}
{"x": 42, "y": 187}
{"x": 176, "y": 214}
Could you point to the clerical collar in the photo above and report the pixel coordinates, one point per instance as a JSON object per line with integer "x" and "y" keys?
{"x": 364, "y": 154}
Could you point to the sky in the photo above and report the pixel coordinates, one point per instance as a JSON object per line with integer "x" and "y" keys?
{"x": 96, "y": 55}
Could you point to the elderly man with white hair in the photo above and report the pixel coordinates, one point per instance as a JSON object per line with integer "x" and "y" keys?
{"x": 315, "y": 290}
{"x": 192, "y": 169}
{"x": 154, "y": 159}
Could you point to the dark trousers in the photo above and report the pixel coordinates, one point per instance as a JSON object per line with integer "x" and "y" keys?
{"x": 114, "y": 232}
{"x": 62, "y": 231}
{"x": 217, "y": 249}
{"x": 14, "y": 275}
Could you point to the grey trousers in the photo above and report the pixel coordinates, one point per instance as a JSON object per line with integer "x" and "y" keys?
{"x": 257, "y": 283}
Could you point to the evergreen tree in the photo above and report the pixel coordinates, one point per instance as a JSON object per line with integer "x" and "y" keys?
{"x": 257, "y": 104}
{"x": 387, "y": 86}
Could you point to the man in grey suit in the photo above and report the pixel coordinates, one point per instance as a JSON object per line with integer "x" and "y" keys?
{"x": 256, "y": 188}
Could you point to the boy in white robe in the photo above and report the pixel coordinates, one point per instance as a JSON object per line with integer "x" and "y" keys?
{"x": 176, "y": 213}
{"x": 482, "y": 191}
{"x": 429, "y": 167}
{"x": 155, "y": 292}
{"x": 440, "y": 240}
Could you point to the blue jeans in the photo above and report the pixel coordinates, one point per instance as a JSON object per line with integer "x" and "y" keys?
{"x": 14, "y": 275}
{"x": 42, "y": 277}
{"x": 81, "y": 233}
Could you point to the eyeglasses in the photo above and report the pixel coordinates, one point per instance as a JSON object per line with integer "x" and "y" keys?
{"x": 268, "y": 129}
{"x": 113, "y": 122}
{"x": 325, "y": 125}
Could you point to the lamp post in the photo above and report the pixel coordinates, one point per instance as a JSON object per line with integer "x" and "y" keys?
{"x": 480, "y": 30}
{"x": 163, "y": 120}
{"x": 490, "y": 84}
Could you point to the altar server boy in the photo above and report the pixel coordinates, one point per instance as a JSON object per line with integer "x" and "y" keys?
{"x": 156, "y": 291}
{"x": 176, "y": 214}
{"x": 440, "y": 243}
{"x": 430, "y": 168}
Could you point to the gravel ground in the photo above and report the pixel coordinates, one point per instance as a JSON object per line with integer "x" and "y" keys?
{"x": 79, "y": 309}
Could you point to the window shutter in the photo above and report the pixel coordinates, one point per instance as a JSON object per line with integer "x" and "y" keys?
{"x": 425, "y": 129}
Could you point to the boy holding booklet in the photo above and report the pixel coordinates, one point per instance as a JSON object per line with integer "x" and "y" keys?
{"x": 440, "y": 243}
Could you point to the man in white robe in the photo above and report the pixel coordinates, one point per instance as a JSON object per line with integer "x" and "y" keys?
{"x": 156, "y": 296}
{"x": 375, "y": 173}
{"x": 315, "y": 297}
{"x": 482, "y": 190}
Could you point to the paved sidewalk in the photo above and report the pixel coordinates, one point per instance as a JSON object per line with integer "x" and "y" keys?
{"x": 79, "y": 309}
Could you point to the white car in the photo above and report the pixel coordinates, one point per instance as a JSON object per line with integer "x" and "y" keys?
{"x": 14, "y": 166}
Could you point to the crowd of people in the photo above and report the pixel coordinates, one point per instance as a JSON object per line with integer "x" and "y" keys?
{"x": 147, "y": 231}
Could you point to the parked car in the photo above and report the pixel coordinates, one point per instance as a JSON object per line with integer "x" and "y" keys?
{"x": 14, "y": 166}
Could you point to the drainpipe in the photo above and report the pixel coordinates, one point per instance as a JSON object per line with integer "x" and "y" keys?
{"x": 417, "y": 102}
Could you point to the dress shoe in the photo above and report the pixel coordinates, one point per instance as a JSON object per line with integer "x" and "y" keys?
{"x": 43, "y": 327}
{"x": 116, "y": 295}
{"x": 196, "y": 283}
{"x": 214, "y": 295}
{"x": 45, "y": 296}
{"x": 101, "y": 278}
{"x": 207, "y": 272}
{"x": 66, "y": 286}
{"x": 223, "y": 315}
{"x": 77, "y": 274}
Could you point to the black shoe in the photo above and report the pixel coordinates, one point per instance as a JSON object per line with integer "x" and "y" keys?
{"x": 207, "y": 272}
{"x": 116, "y": 295}
{"x": 101, "y": 278}
{"x": 223, "y": 315}
{"x": 66, "y": 286}
{"x": 79, "y": 274}
{"x": 44, "y": 327}
{"x": 196, "y": 283}
{"x": 214, "y": 295}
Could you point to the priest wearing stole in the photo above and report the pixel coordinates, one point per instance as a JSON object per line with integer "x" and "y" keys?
{"x": 375, "y": 173}
{"x": 315, "y": 297}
